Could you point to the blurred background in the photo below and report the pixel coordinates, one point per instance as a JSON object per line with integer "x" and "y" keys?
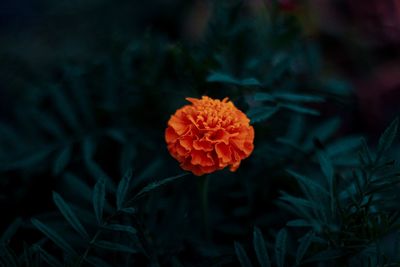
{"x": 358, "y": 41}
{"x": 86, "y": 89}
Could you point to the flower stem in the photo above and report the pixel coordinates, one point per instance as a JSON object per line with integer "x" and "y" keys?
{"x": 203, "y": 189}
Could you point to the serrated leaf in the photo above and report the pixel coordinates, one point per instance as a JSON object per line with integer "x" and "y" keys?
{"x": 260, "y": 248}
{"x": 62, "y": 160}
{"x": 120, "y": 227}
{"x": 303, "y": 247}
{"x": 387, "y": 139}
{"x": 48, "y": 258}
{"x": 114, "y": 246}
{"x": 300, "y": 109}
{"x": 99, "y": 198}
{"x": 55, "y": 237}
{"x": 281, "y": 247}
{"x": 69, "y": 215}
{"x": 242, "y": 255}
{"x": 122, "y": 189}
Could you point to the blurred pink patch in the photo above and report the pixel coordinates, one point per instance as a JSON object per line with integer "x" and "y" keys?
{"x": 379, "y": 95}
{"x": 379, "y": 19}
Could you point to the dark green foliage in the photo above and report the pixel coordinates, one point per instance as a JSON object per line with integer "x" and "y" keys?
{"x": 260, "y": 248}
{"x": 321, "y": 193}
{"x": 242, "y": 256}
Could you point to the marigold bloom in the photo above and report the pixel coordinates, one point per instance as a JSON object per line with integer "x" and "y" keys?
{"x": 209, "y": 135}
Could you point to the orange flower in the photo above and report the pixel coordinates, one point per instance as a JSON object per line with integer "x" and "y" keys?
{"x": 209, "y": 135}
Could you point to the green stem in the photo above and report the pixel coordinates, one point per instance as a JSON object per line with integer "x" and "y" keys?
{"x": 203, "y": 189}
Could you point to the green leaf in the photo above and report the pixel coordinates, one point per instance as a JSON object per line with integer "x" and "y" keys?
{"x": 299, "y": 223}
{"x": 280, "y": 247}
{"x": 387, "y": 139}
{"x": 78, "y": 186}
{"x": 258, "y": 114}
{"x": 64, "y": 106}
{"x": 264, "y": 97}
{"x": 337, "y": 86}
{"x": 220, "y": 77}
{"x": 48, "y": 258}
{"x": 97, "y": 262}
{"x": 299, "y": 98}
{"x": 120, "y": 227}
{"x": 242, "y": 256}
{"x": 11, "y": 230}
{"x": 122, "y": 189}
{"x": 80, "y": 93}
{"x": 260, "y": 248}
{"x": 328, "y": 171}
{"x": 7, "y": 257}
{"x": 69, "y": 215}
{"x": 303, "y": 247}
{"x": 88, "y": 148}
{"x": 225, "y": 78}
{"x": 300, "y": 109}
{"x": 326, "y": 166}
{"x": 62, "y": 160}
{"x": 99, "y": 198}
{"x": 27, "y": 161}
{"x": 48, "y": 123}
{"x": 322, "y": 132}
{"x": 249, "y": 82}
{"x": 158, "y": 184}
{"x": 129, "y": 210}
{"x": 114, "y": 246}
{"x": 308, "y": 183}
{"x": 329, "y": 254}
{"x": 55, "y": 237}
{"x": 343, "y": 145}
{"x": 365, "y": 152}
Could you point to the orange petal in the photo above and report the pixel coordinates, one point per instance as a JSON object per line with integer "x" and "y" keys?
{"x": 202, "y": 145}
{"x": 201, "y": 158}
{"x": 170, "y": 135}
{"x": 223, "y": 152}
{"x": 186, "y": 142}
{"x": 178, "y": 124}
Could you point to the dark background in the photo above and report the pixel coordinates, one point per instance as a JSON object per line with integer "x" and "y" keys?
{"x": 86, "y": 89}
